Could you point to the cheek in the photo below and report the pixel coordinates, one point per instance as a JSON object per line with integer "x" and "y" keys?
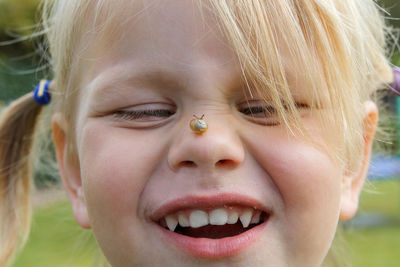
{"x": 115, "y": 166}
{"x": 304, "y": 175}
{"x": 309, "y": 185}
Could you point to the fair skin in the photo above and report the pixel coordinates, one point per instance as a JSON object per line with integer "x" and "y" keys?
{"x": 132, "y": 172}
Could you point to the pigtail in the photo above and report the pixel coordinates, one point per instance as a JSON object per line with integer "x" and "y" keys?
{"x": 17, "y": 127}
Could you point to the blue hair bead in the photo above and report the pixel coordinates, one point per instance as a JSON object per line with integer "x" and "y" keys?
{"x": 41, "y": 93}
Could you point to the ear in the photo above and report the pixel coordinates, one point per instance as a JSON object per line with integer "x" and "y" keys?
{"x": 69, "y": 170}
{"x": 352, "y": 183}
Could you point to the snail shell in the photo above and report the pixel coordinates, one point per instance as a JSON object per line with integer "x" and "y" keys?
{"x": 198, "y": 125}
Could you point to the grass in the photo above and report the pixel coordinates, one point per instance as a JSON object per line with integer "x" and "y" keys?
{"x": 56, "y": 239}
{"x": 378, "y": 243}
{"x": 382, "y": 197}
{"x": 372, "y": 247}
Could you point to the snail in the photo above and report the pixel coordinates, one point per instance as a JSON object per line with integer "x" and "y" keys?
{"x": 198, "y": 125}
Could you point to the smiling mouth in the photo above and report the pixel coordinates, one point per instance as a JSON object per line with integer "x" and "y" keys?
{"x": 216, "y": 223}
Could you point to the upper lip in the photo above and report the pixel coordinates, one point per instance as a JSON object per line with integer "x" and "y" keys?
{"x": 206, "y": 202}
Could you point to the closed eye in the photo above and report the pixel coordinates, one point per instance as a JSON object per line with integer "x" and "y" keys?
{"x": 262, "y": 113}
{"x": 151, "y": 114}
{"x": 258, "y": 110}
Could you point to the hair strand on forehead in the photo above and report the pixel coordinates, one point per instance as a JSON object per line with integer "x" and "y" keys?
{"x": 333, "y": 44}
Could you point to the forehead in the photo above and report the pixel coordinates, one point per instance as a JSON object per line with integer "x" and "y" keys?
{"x": 174, "y": 34}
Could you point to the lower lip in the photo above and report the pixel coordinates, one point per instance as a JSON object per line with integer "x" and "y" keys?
{"x": 214, "y": 248}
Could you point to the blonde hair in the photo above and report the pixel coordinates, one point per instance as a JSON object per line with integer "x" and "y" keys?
{"x": 339, "y": 45}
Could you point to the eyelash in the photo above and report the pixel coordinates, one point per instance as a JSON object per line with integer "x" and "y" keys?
{"x": 258, "y": 109}
{"x": 268, "y": 110}
{"x": 139, "y": 114}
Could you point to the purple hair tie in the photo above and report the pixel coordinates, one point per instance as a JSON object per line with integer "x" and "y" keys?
{"x": 395, "y": 86}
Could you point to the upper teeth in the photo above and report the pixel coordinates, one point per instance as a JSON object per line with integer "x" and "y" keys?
{"x": 198, "y": 218}
{"x": 220, "y": 216}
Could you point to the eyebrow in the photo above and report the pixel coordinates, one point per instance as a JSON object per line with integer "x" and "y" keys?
{"x": 156, "y": 78}
{"x": 161, "y": 78}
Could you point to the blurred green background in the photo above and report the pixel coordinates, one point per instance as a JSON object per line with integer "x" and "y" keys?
{"x": 372, "y": 238}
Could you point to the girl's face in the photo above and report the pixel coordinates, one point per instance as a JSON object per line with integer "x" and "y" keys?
{"x": 146, "y": 183}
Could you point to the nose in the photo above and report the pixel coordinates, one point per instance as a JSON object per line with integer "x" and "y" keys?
{"x": 219, "y": 147}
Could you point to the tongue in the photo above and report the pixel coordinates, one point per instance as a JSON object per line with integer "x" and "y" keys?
{"x": 213, "y": 231}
